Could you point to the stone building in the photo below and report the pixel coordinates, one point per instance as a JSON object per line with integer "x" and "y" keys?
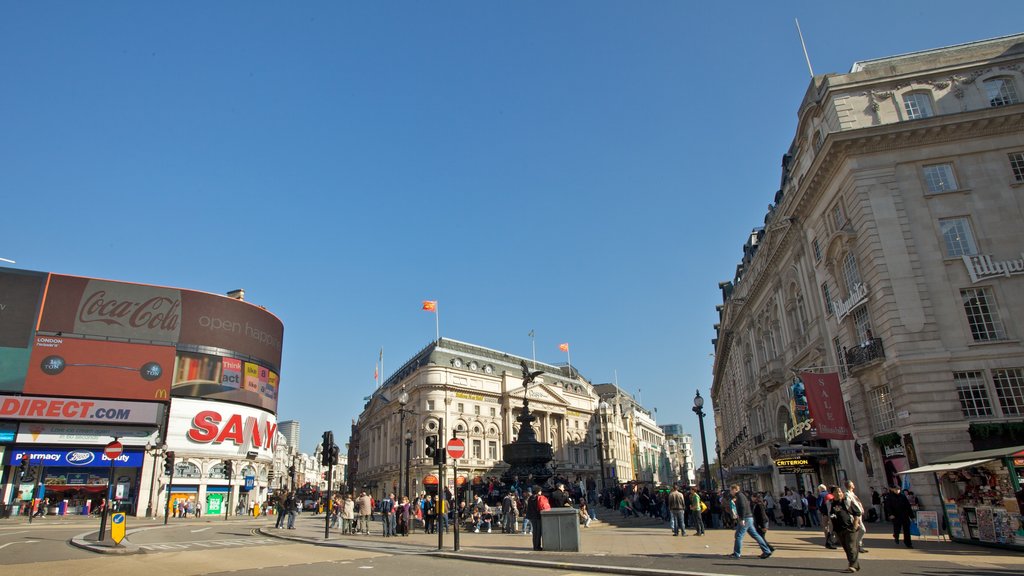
{"x": 891, "y": 255}
{"x": 476, "y": 392}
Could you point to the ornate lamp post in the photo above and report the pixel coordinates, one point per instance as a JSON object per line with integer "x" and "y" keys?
{"x": 603, "y": 409}
{"x": 154, "y": 452}
{"x": 408, "y": 448}
{"x": 698, "y": 409}
{"x": 673, "y": 479}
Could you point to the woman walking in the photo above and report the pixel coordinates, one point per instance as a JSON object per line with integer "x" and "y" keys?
{"x": 846, "y": 520}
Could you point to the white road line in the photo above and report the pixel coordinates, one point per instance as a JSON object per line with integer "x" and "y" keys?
{"x": 200, "y": 530}
{"x": 20, "y": 542}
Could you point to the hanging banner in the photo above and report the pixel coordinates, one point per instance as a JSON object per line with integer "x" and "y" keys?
{"x": 825, "y": 404}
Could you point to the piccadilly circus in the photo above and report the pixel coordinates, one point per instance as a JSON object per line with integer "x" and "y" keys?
{"x": 186, "y": 381}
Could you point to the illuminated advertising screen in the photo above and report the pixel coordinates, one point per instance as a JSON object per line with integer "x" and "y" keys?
{"x": 230, "y": 379}
{"x": 20, "y": 295}
{"x": 89, "y": 313}
{"x": 62, "y": 366}
{"x": 220, "y": 429}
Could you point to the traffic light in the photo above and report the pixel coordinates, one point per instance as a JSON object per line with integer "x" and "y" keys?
{"x": 23, "y": 467}
{"x": 334, "y": 455}
{"x": 325, "y": 448}
{"x": 169, "y": 463}
{"x": 228, "y": 469}
{"x": 291, "y": 472}
{"x": 434, "y": 450}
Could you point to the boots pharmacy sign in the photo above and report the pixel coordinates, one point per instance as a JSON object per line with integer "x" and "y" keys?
{"x": 220, "y": 429}
{"x": 984, "y": 267}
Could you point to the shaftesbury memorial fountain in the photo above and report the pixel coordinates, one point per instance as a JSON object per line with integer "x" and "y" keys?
{"x": 528, "y": 460}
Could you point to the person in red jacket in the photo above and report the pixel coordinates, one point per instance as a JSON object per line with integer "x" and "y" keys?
{"x": 535, "y": 504}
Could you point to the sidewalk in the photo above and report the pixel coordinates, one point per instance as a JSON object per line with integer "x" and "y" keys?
{"x": 647, "y": 547}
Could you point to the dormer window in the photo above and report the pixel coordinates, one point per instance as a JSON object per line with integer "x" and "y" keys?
{"x": 917, "y": 105}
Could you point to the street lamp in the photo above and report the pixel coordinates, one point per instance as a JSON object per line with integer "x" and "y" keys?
{"x": 603, "y": 408}
{"x": 721, "y": 472}
{"x": 408, "y": 448}
{"x": 698, "y": 409}
{"x": 153, "y": 452}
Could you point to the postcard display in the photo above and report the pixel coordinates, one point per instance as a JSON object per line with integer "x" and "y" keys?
{"x": 985, "y": 504}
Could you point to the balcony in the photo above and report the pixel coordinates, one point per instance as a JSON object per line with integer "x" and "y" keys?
{"x": 862, "y": 356}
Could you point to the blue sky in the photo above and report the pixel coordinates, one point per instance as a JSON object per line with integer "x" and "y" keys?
{"x": 587, "y": 170}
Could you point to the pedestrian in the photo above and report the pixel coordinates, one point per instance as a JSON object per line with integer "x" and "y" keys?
{"x": 845, "y": 520}
{"x": 429, "y": 514}
{"x": 796, "y": 509}
{"x": 677, "y": 511}
{"x": 387, "y": 514}
{"x": 583, "y": 514}
{"x": 559, "y": 497}
{"x": 769, "y": 504}
{"x": 824, "y": 500}
{"x": 364, "y": 510}
{"x": 348, "y": 515}
{"x": 536, "y": 504}
{"x": 898, "y": 511}
{"x": 876, "y": 503}
{"x": 744, "y": 516}
{"x": 761, "y": 518}
{"x": 697, "y": 509}
{"x": 851, "y": 496}
{"x": 279, "y": 510}
{"x": 290, "y": 507}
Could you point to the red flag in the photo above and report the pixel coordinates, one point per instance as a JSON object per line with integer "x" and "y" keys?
{"x": 430, "y": 305}
{"x": 825, "y": 402}
{"x": 564, "y": 347}
{"x": 375, "y": 373}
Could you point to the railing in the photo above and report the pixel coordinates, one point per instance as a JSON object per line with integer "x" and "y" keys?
{"x": 865, "y": 353}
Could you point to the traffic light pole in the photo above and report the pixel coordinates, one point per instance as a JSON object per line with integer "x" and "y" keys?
{"x": 35, "y": 489}
{"x": 330, "y": 501}
{"x": 169, "y": 462}
{"x": 440, "y": 488}
{"x": 455, "y": 482}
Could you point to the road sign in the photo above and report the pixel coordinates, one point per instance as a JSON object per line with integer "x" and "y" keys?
{"x": 456, "y": 448}
{"x": 113, "y": 450}
{"x": 118, "y": 523}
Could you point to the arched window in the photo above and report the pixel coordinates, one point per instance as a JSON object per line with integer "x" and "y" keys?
{"x": 1001, "y": 91}
{"x": 917, "y": 105}
{"x": 851, "y": 273}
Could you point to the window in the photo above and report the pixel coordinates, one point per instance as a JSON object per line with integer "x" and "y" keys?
{"x": 817, "y": 246}
{"x": 827, "y": 296}
{"x": 477, "y": 449}
{"x": 970, "y": 387}
{"x": 939, "y": 178}
{"x": 982, "y": 314}
{"x": 492, "y": 449}
{"x": 917, "y": 105}
{"x": 838, "y": 218}
{"x": 1017, "y": 165}
{"x": 462, "y": 408}
{"x": 883, "y": 417}
{"x": 476, "y": 410}
{"x": 862, "y": 323}
{"x": 840, "y": 357}
{"x": 956, "y": 232}
{"x": 493, "y": 412}
{"x": 819, "y": 140}
{"x": 430, "y": 405}
{"x": 851, "y": 274}
{"x": 1010, "y": 390}
{"x": 1001, "y": 91}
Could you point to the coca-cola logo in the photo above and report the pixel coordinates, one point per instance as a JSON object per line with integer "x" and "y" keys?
{"x": 80, "y": 457}
{"x": 156, "y": 313}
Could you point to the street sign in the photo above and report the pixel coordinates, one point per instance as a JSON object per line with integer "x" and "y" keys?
{"x": 456, "y": 448}
{"x": 113, "y": 450}
{"x": 118, "y": 523}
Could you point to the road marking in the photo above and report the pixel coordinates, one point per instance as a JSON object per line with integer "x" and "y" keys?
{"x": 21, "y": 542}
{"x": 200, "y": 530}
{"x": 208, "y": 544}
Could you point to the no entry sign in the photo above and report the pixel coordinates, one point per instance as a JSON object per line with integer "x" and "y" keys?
{"x": 113, "y": 450}
{"x": 456, "y": 448}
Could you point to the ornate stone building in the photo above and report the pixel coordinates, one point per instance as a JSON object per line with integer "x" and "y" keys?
{"x": 892, "y": 255}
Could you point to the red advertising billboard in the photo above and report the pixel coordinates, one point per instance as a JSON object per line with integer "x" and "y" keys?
{"x": 62, "y": 366}
{"x": 20, "y": 295}
{"x": 825, "y": 401}
{"x": 91, "y": 307}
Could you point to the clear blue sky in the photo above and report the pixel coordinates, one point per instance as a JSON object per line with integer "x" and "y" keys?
{"x": 585, "y": 169}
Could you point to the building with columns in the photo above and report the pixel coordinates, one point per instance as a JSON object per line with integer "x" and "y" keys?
{"x": 891, "y": 256}
{"x": 477, "y": 392}
{"x": 677, "y": 456}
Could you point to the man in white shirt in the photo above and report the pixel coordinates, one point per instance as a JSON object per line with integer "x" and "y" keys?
{"x": 861, "y": 530}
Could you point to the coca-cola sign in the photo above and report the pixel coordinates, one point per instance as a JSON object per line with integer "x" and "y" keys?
{"x": 129, "y": 310}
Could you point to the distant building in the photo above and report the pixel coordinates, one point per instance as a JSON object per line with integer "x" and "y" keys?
{"x": 290, "y": 430}
{"x": 634, "y": 440}
{"x": 677, "y": 456}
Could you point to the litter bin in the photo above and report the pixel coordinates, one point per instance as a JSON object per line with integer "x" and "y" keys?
{"x": 561, "y": 530}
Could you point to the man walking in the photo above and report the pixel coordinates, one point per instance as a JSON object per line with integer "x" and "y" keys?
{"x": 279, "y": 509}
{"x": 696, "y": 511}
{"x": 851, "y": 497}
{"x": 745, "y": 524}
{"x": 677, "y": 511}
{"x": 898, "y": 511}
{"x": 845, "y": 520}
{"x": 364, "y": 508}
{"x": 387, "y": 515}
{"x": 290, "y": 506}
{"x": 536, "y": 504}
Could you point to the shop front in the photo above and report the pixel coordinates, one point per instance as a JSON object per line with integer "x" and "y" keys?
{"x": 982, "y": 495}
{"x": 73, "y": 480}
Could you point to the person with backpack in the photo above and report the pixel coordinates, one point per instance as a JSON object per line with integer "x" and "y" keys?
{"x": 846, "y": 520}
{"x": 536, "y": 504}
{"x": 697, "y": 509}
{"x": 824, "y": 499}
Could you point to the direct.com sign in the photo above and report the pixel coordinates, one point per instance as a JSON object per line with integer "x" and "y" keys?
{"x": 78, "y": 410}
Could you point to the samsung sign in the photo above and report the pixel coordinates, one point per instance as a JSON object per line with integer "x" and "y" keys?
{"x": 75, "y": 458}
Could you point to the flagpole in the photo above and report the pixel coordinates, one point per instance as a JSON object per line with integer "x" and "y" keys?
{"x": 381, "y": 364}
{"x": 804, "y": 46}
{"x": 568, "y": 355}
{"x": 437, "y": 324}
{"x": 533, "y": 342}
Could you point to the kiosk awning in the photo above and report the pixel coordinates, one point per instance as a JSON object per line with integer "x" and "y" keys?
{"x": 947, "y": 466}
